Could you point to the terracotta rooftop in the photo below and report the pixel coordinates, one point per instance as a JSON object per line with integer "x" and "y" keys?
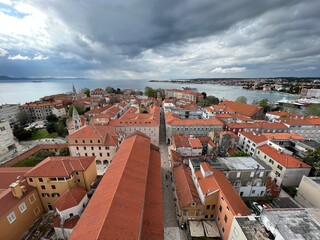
{"x": 195, "y": 143}
{"x": 171, "y": 119}
{"x": 233, "y": 199}
{"x": 40, "y": 104}
{"x": 128, "y": 201}
{"x": 10, "y": 175}
{"x": 283, "y": 136}
{"x": 254, "y": 137}
{"x": 107, "y": 135}
{"x": 295, "y": 121}
{"x": 283, "y": 159}
{"x": 186, "y": 191}
{"x": 70, "y": 198}
{"x": 241, "y": 108}
{"x": 59, "y": 166}
{"x": 8, "y": 201}
{"x": 273, "y": 125}
{"x": 69, "y": 223}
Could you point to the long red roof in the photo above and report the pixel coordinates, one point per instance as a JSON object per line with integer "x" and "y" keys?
{"x": 119, "y": 207}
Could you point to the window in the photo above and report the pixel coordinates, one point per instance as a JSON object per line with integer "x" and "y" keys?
{"x": 211, "y": 216}
{"x": 78, "y": 180}
{"x": 76, "y": 141}
{"x": 108, "y": 154}
{"x": 238, "y": 174}
{"x": 279, "y": 167}
{"x": 258, "y": 152}
{"x": 99, "y": 148}
{"x": 208, "y": 207}
{"x": 213, "y": 207}
{"x": 53, "y": 186}
{"x": 220, "y": 208}
{"x": 30, "y": 179}
{"x": 55, "y": 195}
{"x": 85, "y": 154}
{"x": 100, "y": 154}
{"x": 206, "y": 216}
{"x": 93, "y": 154}
{"x": 253, "y": 191}
{"x": 77, "y": 148}
{"x": 43, "y": 187}
{"x": 90, "y": 141}
{"x": 11, "y": 217}
{"x": 84, "y": 148}
{"x": 98, "y": 141}
{"x": 91, "y": 148}
{"x": 251, "y": 174}
{"x": 22, "y": 207}
{"x": 198, "y": 213}
{"x": 225, "y": 218}
{"x": 32, "y": 199}
{"x": 36, "y": 210}
{"x": 83, "y": 141}
{"x": 223, "y": 229}
{"x": 185, "y": 213}
{"x": 45, "y": 195}
{"x": 77, "y": 173}
{"x": 40, "y": 180}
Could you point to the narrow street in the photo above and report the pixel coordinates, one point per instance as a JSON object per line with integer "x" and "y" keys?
{"x": 171, "y": 228}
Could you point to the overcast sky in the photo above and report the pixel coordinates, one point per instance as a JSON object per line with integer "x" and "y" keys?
{"x": 159, "y": 39}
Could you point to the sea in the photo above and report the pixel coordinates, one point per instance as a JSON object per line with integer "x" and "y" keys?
{"x": 22, "y": 91}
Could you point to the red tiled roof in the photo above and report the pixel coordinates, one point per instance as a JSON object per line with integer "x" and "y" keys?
{"x": 9, "y": 175}
{"x": 60, "y": 166}
{"x": 69, "y": 223}
{"x": 70, "y": 198}
{"x": 180, "y": 140}
{"x": 241, "y": 108}
{"x": 272, "y": 125}
{"x": 171, "y": 119}
{"x": 117, "y": 208}
{"x": 40, "y": 104}
{"x": 254, "y": 137}
{"x": 233, "y": 199}
{"x": 8, "y": 201}
{"x": 186, "y": 191}
{"x": 195, "y": 143}
{"x": 283, "y": 159}
{"x": 283, "y": 136}
{"x": 295, "y": 121}
{"x": 107, "y": 134}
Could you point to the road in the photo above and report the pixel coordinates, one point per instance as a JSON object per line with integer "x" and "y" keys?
{"x": 171, "y": 228}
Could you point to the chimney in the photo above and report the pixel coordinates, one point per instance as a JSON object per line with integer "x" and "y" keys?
{"x": 16, "y": 190}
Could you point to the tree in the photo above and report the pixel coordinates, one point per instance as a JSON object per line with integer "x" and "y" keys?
{"x": 23, "y": 118}
{"x": 204, "y": 94}
{"x": 114, "y": 100}
{"x": 313, "y": 159}
{"x": 312, "y": 109}
{"x": 80, "y": 109}
{"x": 64, "y": 152}
{"x": 287, "y": 107}
{"x": 118, "y": 91}
{"x": 22, "y": 134}
{"x": 86, "y": 91}
{"x": 110, "y": 89}
{"x": 51, "y": 127}
{"x": 264, "y": 103}
{"x": 242, "y": 99}
{"x": 150, "y": 92}
{"x": 239, "y": 154}
{"x": 61, "y": 128}
{"x": 52, "y": 118}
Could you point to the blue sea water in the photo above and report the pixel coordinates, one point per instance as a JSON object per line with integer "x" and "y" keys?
{"x": 21, "y": 91}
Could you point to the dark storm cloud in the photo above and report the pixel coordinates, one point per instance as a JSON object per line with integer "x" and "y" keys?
{"x": 173, "y": 37}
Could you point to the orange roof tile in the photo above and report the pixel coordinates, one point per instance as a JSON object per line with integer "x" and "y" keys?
{"x": 283, "y": 159}
{"x": 123, "y": 192}
{"x": 10, "y": 175}
{"x": 230, "y": 195}
{"x": 40, "y": 104}
{"x": 283, "y": 136}
{"x": 295, "y": 121}
{"x": 180, "y": 140}
{"x": 70, "y": 198}
{"x": 171, "y": 119}
{"x": 8, "y": 201}
{"x": 60, "y": 166}
{"x": 241, "y": 108}
{"x": 272, "y": 125}
{"x": 107, "y": 134}
{"x": 186, "y": 191}
{"x": 195, "y": 143}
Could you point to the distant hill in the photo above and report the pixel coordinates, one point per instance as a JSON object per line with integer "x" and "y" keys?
{"x": 27, "y": 78}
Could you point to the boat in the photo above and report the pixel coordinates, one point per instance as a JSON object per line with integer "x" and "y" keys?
{"x": 36, "y": 81}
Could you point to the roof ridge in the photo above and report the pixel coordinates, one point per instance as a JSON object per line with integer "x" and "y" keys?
{"x": 115, "y": 191}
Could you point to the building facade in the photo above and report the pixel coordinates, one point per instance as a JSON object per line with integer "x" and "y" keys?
{"x": 6, "y": 138}
{"x": 9, "y": 113}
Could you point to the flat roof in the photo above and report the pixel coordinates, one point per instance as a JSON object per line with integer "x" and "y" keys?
{"x": 310, "y": 143}
{"x": 315, "y": 179}
{"x": 243, "y": 163}
{"x": 252, "y": 228}
{"x": 293, "y": 224}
